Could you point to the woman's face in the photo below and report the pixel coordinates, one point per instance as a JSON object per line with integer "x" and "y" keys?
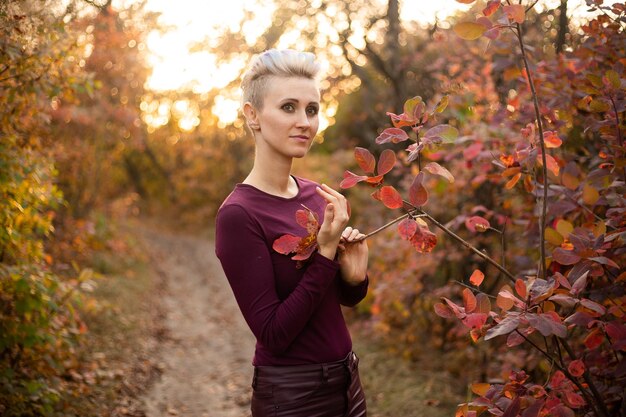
{"x": 289, "y": 120}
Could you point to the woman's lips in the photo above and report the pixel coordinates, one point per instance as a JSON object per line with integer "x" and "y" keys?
{"x": 301, "y": 138}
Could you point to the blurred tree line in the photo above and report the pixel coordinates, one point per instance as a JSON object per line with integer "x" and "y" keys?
{"x": 78, "y": 143}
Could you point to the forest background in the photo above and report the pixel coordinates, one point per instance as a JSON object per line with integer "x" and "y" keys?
{"x": 85, "y": 143}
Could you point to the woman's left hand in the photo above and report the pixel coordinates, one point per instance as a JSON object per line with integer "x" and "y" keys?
{"x": 353, "y": 256}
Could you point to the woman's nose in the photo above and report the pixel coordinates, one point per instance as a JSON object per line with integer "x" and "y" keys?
{"x": 303, "y": 119}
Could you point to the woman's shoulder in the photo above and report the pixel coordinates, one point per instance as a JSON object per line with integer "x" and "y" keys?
{"x": 306, "y": 183}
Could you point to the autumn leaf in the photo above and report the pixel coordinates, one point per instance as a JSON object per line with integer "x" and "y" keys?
{"x": 407, "y": 228}
{"x": 423, "y": 240}
{"x": 477, "y": 224}
{"x": 305, "y": 246}
{"x": 436, "y": 169}
{"x": 506, "y": 326}
{"x": 286, "y": 244}
{"x": 390, "y": 197}
{"x": 365, "y": 159}
{"x": 576, "y": 367}
{"x": 393, "y": 135}
{"x": 386, "y": 161}
{"x": 477, "y": 277}
{"x": 441, "y": 133}
{"x": 515, "y": 12}
{"x": 469, "y": 30}
{"x": 418, "y": 196}
{"x": 469, "y": 300}
{"x": 350, "y": 179}
{"x": 492, "y": 7}
{"x": 551, "y": 139}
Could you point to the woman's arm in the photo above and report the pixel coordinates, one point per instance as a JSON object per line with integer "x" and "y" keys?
{"x": 246, "y": 261}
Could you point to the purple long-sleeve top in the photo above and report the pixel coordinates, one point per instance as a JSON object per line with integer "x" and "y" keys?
{"x": 295, "y": 313}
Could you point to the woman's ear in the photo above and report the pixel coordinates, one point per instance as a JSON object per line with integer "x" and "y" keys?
{"x": 251, "y": 116}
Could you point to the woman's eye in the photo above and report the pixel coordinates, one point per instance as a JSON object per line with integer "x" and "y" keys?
{"x": 288, "y": 107}
{"x": 312, "y": 111}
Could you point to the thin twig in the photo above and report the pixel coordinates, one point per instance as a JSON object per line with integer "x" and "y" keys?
{"x": 544, "y": 168}
{"x": 381, "y": 228}
{"x": 588, "y": 380}
{"x": 469, "y": 245}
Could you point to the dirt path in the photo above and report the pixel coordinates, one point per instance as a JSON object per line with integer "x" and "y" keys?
{"x": 205, "y": 354}
{"x": 205, "y": 358}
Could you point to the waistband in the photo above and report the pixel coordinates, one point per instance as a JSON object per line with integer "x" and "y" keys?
{"x": 349, "y": 362}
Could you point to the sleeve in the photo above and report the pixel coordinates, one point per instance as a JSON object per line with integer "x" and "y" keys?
{"x": 246, "y": 261}
{"x": 351, "y": 295}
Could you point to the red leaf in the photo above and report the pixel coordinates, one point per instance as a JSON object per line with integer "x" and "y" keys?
{"x": 286, "y": 244}
{"x": 484, "y": 305}
{"x": 477, "y": 224}
{"x": 520, "y": 287}
{"x": 469, "y": 300}
{"x": 392, "y": 134}
{"x": 594, "y": 339}
{"x": 436, "y": 169}
{"x": 350, "y": 179}
{"x": 593, "y": 306}
{"x": 477, "y": 277}
{"x": 574, "y": 400}
{"x": 424, "y": 240}
{"x": 418, "y": 196}
{"x": 551, "y": 139}
{"x": 557, "y": 379}
{"x": 617, "y": 333}
{"x": 534, "y": 409}
{"x": 492, "y": 7}
{"x": 515, "y": 12}
{"x": 457, "y": 310}
{"x": 506, "y": 326}
{"x": 305, "y": 249}
{"x": 546, "y": 325}
{"x": 552, "y": 164}
{"x": 475, "y": 320}
{"x": 565, "y": 257}
{"x": 308, "y": 219}
{"x": 390, "y": 197}
{"x": 365, "y": 159}
{"x": 376, "y": 180}
{"x": 513, "y": 409}
{"x": 576, "y": 368}
{"x": 514, "y": 339}
{"x": 407, "y": 228}
{"x": 376, "y": 195}
{"x": 386, "y": 161}
{"x": 443, "y": 311}
{"x": 401, "y": 120}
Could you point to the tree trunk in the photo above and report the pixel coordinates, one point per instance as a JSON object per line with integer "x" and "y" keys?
{"x": 563, "y": 27}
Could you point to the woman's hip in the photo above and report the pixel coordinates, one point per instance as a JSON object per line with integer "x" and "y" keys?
{"x": 320, "y": 390}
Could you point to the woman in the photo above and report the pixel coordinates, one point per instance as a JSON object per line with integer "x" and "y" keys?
{"x": 303, "y": 361}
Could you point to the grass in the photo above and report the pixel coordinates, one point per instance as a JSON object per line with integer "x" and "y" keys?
{"x": 114, "y": 362}
{"x": 395, "y": 387}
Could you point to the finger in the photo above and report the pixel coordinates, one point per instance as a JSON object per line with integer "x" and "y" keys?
{"x": 331, "y": 191}
{"x": 327, "y": 196}
{"x": 335, "y": 193}
{"x": 353, "y": 234}
{"x": 329, "y": 214}
{"x": 346, "y": 233}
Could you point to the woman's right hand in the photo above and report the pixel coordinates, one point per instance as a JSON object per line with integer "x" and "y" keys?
{"x": 335, "y": 221}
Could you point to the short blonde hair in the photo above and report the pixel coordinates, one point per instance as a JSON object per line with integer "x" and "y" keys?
{"x": 275, "y": 62}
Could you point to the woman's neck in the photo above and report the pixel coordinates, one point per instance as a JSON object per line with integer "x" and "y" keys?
{"x": 272, "y": 177}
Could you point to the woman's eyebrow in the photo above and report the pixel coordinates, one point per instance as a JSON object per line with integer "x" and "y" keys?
{"x": 298, "y": 101}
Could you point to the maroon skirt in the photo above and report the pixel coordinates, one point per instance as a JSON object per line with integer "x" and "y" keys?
{"x": 320, "y": 390}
